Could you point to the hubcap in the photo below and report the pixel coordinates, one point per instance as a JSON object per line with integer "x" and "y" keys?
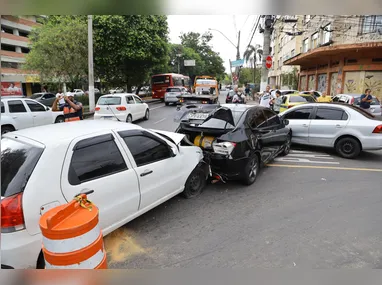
{"x": 347, "y": 147}
{"x": 195, "y": 183}
{"x": 253, "y": 170}
{"x": 288, "y": 143}
{"x": 129, "y": 120}
{"x": 147, "y": 114}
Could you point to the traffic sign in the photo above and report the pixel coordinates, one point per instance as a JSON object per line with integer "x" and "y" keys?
{"x": 237, "y": 63}
{"x": 268, "y": 62}
{"x": 189, "y": 62}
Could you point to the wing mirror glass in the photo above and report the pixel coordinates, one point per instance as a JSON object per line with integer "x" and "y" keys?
{"x": 286, "y": 122}
{"x": 47, "y": 108}
{"x": 173, "y": 151}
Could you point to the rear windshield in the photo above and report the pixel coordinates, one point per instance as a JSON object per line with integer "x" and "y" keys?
{"x": 163, "y": 79}
{"x": 173, "y": 90}
{"x": 18, "y": 161}
{"x": 375, "y": 101}
{"x": 111, "y": 100}
{"x": 301, "y": 99}
{"x": 221, "y": 124}
{"x": 34, "y": 96}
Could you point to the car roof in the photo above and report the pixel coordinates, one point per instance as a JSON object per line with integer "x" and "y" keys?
{"x": 240, "y": 107}
{"x": 55, "y": 134}
{"x": 351, "y": 94}
{"x": 119, "y": 94}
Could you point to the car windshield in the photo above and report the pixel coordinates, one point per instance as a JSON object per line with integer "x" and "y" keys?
{"x": 35, "y": 96}
{"x": 110, "y": 100}
{"x": 173, "y": 90}
{"x": 221, "y": 124}
{"x": 301, "y": 99}
{"x": 18, "y": 161}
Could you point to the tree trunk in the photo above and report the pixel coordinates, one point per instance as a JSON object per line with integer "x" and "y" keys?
{"x": 138, "y": 89}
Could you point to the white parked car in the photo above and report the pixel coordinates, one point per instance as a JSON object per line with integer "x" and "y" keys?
{"x": 355, "y": 99}
{"x": 20, "y": 113}
{"x": 124, "y": 107}
{"x": 130, "y": 169}
{"x": 346, "y": 128}
{"x": 171, "y": 94}
{"x": 116, "y": 90}
{"x": 76, "y": 92}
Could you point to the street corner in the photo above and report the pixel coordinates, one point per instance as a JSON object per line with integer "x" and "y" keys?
{"x": 122, "y": 245}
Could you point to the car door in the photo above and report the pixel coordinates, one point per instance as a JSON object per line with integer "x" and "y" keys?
{"x": 264, "y": 134}
{"x": 98, "y": 162}
{"x": 159, "y": 171}
{"x": 49, "y": 99}
{"x": 20, "y": 114}
{"x": 132, "y": 107}
{"x": 141, "y": 108}
{"x": 299, "y": 122}
{"x": 279, "y": 132}
{"x": 326, "y": 125}
{"x": 41, "y": 116}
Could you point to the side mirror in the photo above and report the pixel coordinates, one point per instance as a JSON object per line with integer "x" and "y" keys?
{"x": 47, "y": 108}
{"x": 286, "y": 122}
{"x": 173, "y": 151}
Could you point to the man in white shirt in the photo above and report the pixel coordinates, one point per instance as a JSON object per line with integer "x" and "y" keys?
{"x": 60, "y": 95}
{"x": 266, "y": 98}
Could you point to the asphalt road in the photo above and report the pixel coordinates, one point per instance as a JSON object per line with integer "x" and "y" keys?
{"x": 311, "y": 209}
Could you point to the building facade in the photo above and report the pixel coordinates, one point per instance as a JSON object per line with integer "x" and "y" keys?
{"x": 340, "y": 54}
{"x": 285, "y": 44}
{"x": 14, "y": 47}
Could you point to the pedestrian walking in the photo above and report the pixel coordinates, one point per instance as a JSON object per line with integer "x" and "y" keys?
{"x": 366, "y": 100}
{"x": 247, "y": 91}
{"x": 72, "y": 109}
{"x": 277, "y": 102}
{"x": 266, "y": 98}
{"x": 324, "y": 98}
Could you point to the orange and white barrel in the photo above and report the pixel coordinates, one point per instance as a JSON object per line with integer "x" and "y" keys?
{"x": 72, "y": 238}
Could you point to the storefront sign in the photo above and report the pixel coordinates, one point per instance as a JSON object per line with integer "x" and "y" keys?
{"x": 11, "y": 88}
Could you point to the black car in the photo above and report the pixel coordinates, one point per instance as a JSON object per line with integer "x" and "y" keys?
{"x": 236, "y": 138}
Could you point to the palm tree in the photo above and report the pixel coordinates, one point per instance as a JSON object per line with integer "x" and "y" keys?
{"x": 252, "y": 55}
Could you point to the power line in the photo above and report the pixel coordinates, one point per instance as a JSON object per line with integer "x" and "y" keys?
{"x": 254, "y": 31}
{"x": 245, "y": 22}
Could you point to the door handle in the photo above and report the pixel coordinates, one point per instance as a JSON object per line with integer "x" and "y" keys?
{"x": 14, "y": 117}
{"x": 338, "y": 126}
{"x": 147, "y": 172}
{"x": 305, "y": 125}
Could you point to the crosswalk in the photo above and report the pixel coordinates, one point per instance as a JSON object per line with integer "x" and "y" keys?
{"x": 307, "y": 157}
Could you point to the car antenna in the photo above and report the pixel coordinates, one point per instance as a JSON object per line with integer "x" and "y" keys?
{"x": 113, "y": 113}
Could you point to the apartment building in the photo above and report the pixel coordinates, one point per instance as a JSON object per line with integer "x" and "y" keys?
{"x": 340, "y": 54}
{"x": 14, "y": 47}
{"x": 285, "y": 44}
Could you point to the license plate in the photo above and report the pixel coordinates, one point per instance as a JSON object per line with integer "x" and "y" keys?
{"x": 198, "y": 116}
{"x": 107, "y": 118}
{"x": 192, "y": 102}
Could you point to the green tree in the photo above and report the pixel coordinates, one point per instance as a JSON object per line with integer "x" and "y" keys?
{"x": 128, "y": 48}
{"x": 247, "y": 76}
{"x": 59, "y": 50}
{"x": 186, "y": 53}
{"x": 252, "y": 55}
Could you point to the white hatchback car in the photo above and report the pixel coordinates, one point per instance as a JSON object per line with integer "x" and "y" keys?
{"x": 130, "y": 169}
{"x": 20, "y": 113}
{"x": 124, "y": 107}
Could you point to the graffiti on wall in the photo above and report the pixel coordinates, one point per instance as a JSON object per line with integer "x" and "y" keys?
{"x": 303, "y": 82}
{"x": 312, "y": 82}
{"x": 322, "y": 82}
{"x": 358, "y": 81}
{"x": 333, "y": 83}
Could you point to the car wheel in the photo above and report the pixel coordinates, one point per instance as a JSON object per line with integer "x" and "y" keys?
{"x": 60, "y": 119}
{"x": 6, "y": 129}
{"x": 348, "y": 147}
{"x": 251, "y": 170}
{"x": 147, "y": 115}
{"x": 287, "y": 145}
{"x": 195, "y": 183}
{"x": 167, "y": 103}
{"x": 129, "y": 119}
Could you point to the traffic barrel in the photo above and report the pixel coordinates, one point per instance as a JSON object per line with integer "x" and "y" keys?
{"x": 72, "y": 238}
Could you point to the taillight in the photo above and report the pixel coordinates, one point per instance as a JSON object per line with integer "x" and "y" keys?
{"x": 378, "y": 130}
{"x": 181, "y": 100}
{"x": 224, "y": 148}
{"x": 204, "y": 102}
{"x": 121, "y": 108}
{"x": 97, "y": 109}
{"x": 12, "y": 216}
{"x": 352, "y": 101}
{"x": 290, "y": 106}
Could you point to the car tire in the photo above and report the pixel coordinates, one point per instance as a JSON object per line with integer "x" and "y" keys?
{"x": 59, "y": 119}
{"x": 251, "y": 170}
{"x": 147, "y": 115}
{"x": 6, "y": 129}
{"x": 129, "y": 119}
{"x": 195, "y": 183}
{"x": 167, "y": 103}
{"x": 287, "y": 145}
{"x": 348, "y": 147}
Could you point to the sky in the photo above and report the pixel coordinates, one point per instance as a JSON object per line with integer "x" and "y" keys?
{"x": 229, "y": 25}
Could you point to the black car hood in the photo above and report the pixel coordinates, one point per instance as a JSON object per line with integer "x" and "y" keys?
{"x": 214, "y": 111}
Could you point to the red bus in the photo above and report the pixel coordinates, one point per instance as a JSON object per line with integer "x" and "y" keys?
{"x": 160, "y": 82}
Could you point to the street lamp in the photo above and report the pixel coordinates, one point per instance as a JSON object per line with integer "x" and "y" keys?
{"x": 178, "y": 56}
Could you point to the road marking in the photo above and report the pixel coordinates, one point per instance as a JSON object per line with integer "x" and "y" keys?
{"x": 156, "y": 108}
{"x": 159, "y": 121}
{"x": 302, "y": 160}
{"x": 323, "y": 156}
{"x": 325, "y": 167}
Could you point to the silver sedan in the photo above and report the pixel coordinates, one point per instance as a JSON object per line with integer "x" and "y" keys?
{"x": 346, "y": 128}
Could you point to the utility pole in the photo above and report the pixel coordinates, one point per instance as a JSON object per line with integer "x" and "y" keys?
{"x": 178, "y": 56}
{"x": 230, "y": 69}
{"x": 238, "y": 57}
{"x": 90, "y": 59}
{"x": 266, "y": 47}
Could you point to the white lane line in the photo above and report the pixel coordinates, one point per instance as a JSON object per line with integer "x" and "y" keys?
{"x": 303, "y": 160}
{"x": 156, "y": 108}
{"x": 301, "y": 151}
{"x": 318, "y": 156}
{"x": 159, "y": 121}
